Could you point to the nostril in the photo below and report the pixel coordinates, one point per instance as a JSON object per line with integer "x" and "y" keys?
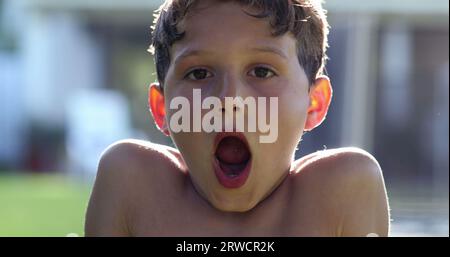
{"x": 235, "y": 108}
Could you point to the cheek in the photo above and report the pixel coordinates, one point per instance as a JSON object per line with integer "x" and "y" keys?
{"x": 193, "y": 145}
{"x": 293, "y": 105}
{"x": 291, "y": 121}
{"x": 196, "y": 151}
{"x": 292, "y": 118}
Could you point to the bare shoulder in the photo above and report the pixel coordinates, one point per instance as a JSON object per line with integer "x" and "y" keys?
{"x": 127, "y": 170}
{"x": 139, "y": 150}
{"x": 345, "y": 163}
{"x": 349, "y": 180}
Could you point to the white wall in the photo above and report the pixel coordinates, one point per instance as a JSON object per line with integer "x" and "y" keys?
{"x": 59, "y": 55}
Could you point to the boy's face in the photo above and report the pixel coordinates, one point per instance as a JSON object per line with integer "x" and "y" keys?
{"x": 235, "y": 54}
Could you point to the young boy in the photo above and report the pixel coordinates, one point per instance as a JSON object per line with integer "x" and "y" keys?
{"x": 223, "y": 183}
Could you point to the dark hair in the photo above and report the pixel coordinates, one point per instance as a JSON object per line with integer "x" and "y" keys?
{"x": 305, "y": 19}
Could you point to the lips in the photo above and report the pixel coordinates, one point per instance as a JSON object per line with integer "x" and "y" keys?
{"x": 232, "y": 159}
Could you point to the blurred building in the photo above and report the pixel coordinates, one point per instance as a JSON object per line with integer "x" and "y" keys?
{"x": 54, "y": 51}
{"x": 389, "y": 65}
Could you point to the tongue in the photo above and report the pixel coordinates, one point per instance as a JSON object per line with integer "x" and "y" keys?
{"x": 232, "y": 170}
{"x": 232, "y": 150}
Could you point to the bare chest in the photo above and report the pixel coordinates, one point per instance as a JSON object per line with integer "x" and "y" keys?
{"x": 272, "y": 217}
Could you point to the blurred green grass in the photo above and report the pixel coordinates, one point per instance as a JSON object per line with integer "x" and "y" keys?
{"x": 42, "y": 205}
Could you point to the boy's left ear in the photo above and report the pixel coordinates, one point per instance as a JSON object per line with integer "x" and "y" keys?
{"x": 320, "y": 95}
{"x": 157, "y": 107}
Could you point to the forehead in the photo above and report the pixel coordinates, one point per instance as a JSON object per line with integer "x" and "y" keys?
{"x": 227, "y": 25}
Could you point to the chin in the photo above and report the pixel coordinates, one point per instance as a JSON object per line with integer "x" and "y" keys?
{"x": 230, "y": 204}
{"x": 233, "y": 208}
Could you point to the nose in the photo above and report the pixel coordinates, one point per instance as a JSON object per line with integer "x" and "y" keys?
{"x": 235, "y": 108}
{"x": 230, "y": 85}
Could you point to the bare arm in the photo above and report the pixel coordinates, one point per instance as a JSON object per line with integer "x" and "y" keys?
{"x": 365, "y": 209}
{"x": 347, "y": 188}
{"x": 107, "y": 210}
{"x": 129, "y": 174}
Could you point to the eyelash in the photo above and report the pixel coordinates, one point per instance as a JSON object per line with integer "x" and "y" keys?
{"x": 268, "y": 70}
{"x": 192, "y": 72}
{"x": 203, "y": 69}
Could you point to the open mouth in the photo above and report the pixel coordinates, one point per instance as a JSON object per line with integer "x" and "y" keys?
{"x": 232, "y": 159}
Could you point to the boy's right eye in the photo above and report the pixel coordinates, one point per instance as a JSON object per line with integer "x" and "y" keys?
{"x": 198, "y": 74}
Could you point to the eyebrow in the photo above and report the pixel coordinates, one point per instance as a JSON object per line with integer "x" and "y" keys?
{"x": 269, "y": 49}
{"x": 189, "y": 53}
{"x": 265, "y": 49}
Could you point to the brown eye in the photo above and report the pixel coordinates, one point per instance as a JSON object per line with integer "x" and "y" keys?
{"x": 262, "y": 72}
{"x": 198, "y": 74}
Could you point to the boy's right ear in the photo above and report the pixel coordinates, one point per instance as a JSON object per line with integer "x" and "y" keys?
{"x": 157, "y": 107}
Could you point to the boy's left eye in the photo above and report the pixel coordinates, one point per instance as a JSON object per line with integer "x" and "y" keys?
{"x": 262, "y": 72}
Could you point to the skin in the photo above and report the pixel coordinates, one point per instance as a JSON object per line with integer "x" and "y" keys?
{"x": 144, "y": 189}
